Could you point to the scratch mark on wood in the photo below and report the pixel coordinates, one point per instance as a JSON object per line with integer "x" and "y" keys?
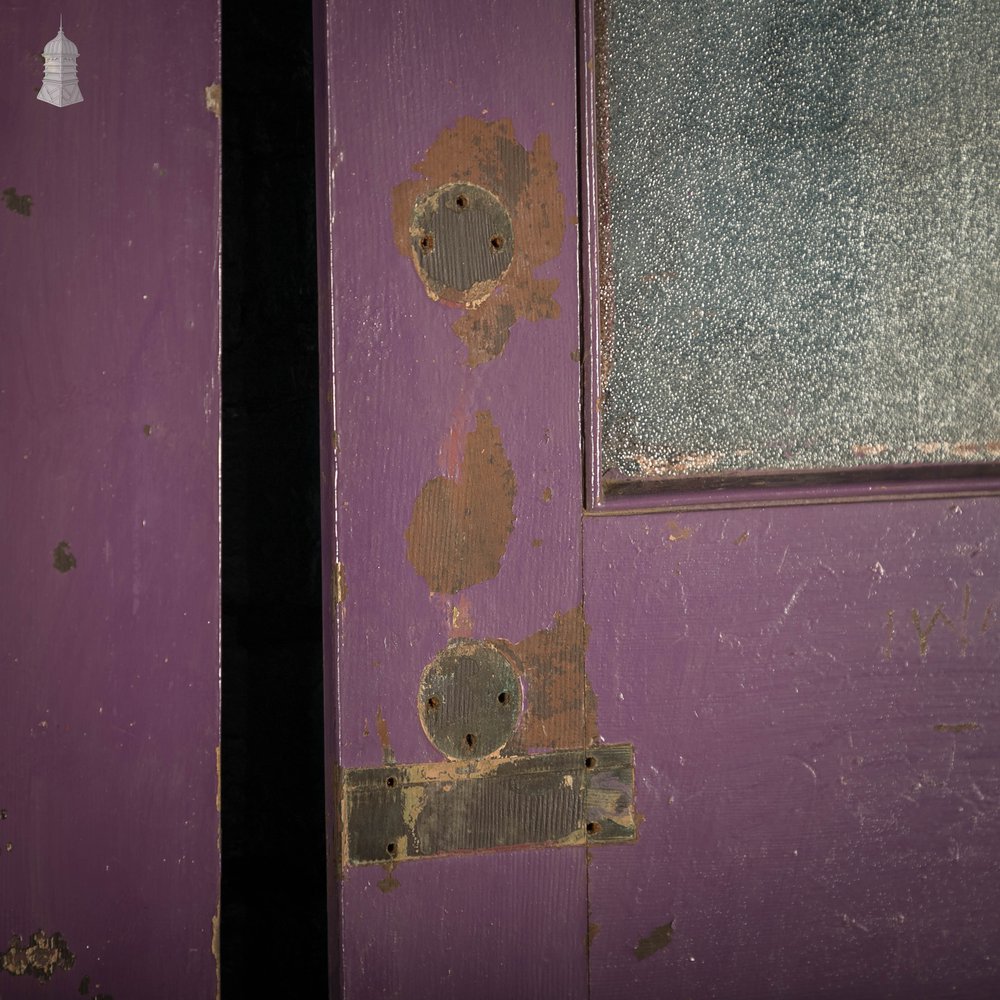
{"x": 560, "y": 705}
{"x": 39, "y": 958}
{"x": 525, "y": 182}
{"x": 459, "y": 529}
{"x": 923, "y": 634}
{"x": 890, "y": 634}
{"x": 655, "y": 941}
{"x": 744, "y": 537}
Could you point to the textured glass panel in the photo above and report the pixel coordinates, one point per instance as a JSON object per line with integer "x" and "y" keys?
{"x": 802, "y": 249}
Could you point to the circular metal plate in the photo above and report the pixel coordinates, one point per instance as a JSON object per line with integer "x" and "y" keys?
{"x": 469, "y": 700}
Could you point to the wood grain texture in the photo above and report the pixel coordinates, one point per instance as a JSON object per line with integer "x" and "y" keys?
{"x": 814, "y": 698}
{"x": 109, "y": 534}
{"x": 403, "y": 395}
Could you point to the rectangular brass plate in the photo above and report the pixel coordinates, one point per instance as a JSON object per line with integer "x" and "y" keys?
{"x": 568, "y": 797}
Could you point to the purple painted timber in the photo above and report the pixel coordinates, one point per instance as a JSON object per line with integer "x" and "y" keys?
{"x": 109, "y": 545}
{"x": 814, "y": 698}
{"x": 506, "y": 924}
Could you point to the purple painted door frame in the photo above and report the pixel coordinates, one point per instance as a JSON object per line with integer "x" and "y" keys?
{"x": 109, "y": 445}
{"x": 811, "y": 690}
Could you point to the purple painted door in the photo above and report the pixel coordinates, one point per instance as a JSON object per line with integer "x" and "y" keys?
{"x": 810, "y": 690}
{"x": 109, "y": 543}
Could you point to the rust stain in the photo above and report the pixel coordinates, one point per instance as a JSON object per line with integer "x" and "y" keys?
{"x": 956, "y": 727}
{"x": 213, "y": 99}
{"x": 655, "y": 941}
{"x": 39, "y": 958}
{"x": 383, "y": 737}
{"x": 487, "y": 154}
{"x": 560, "y": 705}
{"x": 390, "y": 881}
{"x": 460, "y": 527}
{"x": 62, "y": 559}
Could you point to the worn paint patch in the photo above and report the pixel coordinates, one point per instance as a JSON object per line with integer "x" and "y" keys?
{"x": 213, "y": 99}
{"x": 678, "y": 534}
{"x": 339, "y": 583}
{"x": 383, "y": 737}
{"x": 956, "y": 727}
{"x": 40, "y": 957}
{"x": 62, "y": 559}
{"x": 390, "y": 881}
{"x": 459, "y": 529}
{"x": 592, "y": 932}
{"x": 655, "y": 941}
{"x": 560, "y": 705}
{"x": 487, "y": 154}
{"x": 19, "y": 203}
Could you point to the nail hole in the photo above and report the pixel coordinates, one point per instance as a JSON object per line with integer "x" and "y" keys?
{"x": 461, "y": 201}
{"x": 427, "y": 242}
{"x": 593, "y": 828}
{"x": 502, "y": 697}
{"x": 390, "y": 782}
{"x": 433, "y": 701}
{"x": 390, "y": 848}
{"x": 591, "y": 762}
{"x": 470, "y": 740}
{"x": 497, "y": 242}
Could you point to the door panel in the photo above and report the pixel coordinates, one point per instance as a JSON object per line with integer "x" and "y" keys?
{"x": 813, "y": 697}
{"x": 109, "y": 544}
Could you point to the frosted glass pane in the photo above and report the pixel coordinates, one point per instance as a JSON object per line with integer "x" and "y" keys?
{"x": 800, "y": 264}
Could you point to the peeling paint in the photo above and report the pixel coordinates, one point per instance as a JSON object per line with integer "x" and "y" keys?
{"x": 39, "y": 958}
{"x": 213, "y": 99}
{"x": 459, "y": 529}
{"x": 62, "y": 559}
{"x": 560, "y": 705}
{"x": 655, "y": 941}
{"x": 486, "y": 154}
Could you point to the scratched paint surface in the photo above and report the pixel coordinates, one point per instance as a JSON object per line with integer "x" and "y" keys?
{"x": 814, "y": 696}
{"x": 108, "y": 506}
{"x": 406, "y": 405}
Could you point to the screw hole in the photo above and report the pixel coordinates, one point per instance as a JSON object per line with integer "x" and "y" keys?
{"x": 470, "y": 740}
{"x": 390, "y": 782}
{"x": 427, "y": 242}
{"x": 502, "y": 697}
{"x": 497, "y": 242}
{"x": 462, "y": 202}
{"x": 433, "y": 701}
{"x": 390, "y": 849}
{"x": 591, "y": 762}
{"x": 593, "y": 828}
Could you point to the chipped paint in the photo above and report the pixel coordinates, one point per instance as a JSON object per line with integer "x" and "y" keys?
{"x": 216, "y": 948}
{"x": 339, "y": 583}
{"x": 62, "y": 559}
{"x": 682, "y": 465}
{"x": 19, "y": 203}
{"x": 676, "y": 533}
{"x": 460, "y": 527}
{"x": 655, "y": 941}
{"x": 560, "y": 705}
{"x": 383, "y": 737}
{"x": 40, "y": 958}
{"x": 956, "y": 727}
{"x": 390, "y": 881}
{"x": 487, "y": 154}
{"x": 213, "y": 99}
